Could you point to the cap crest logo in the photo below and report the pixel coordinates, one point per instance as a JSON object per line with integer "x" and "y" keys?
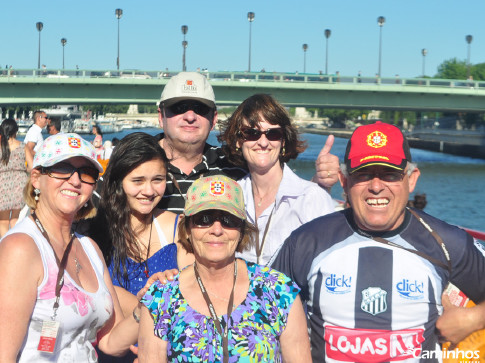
{"x": 217, "y": 188}
{"x": 74, "y": 142}
{"x": 376, "y": 139}
{"x": 189, "y": 86}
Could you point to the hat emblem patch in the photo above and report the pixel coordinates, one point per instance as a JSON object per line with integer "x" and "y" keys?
{"x": 376, "y": 139}
{"x": 217, "y": 188}
{"x": 74, "y": 142}
{"x": 189, "y": 86}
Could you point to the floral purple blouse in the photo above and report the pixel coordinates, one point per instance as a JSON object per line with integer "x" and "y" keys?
{"x": 254, "y": 329}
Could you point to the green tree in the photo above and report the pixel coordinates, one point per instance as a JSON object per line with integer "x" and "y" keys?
{"x": 452, "y": 69}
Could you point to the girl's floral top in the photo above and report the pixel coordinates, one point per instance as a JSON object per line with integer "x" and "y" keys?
{"x": 255, "y": 325}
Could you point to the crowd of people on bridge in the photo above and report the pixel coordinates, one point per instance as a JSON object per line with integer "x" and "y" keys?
{"x": 199, "y": 253}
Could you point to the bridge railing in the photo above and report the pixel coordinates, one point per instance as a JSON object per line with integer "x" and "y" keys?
{"x": 246, "y": 77}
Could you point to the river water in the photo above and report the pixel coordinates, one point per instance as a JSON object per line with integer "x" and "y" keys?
{"x": 454, "y": 185}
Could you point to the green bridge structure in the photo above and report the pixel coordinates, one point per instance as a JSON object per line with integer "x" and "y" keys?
{"x": 33, "y": 86}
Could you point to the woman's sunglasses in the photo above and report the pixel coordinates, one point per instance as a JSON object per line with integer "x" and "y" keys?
{"x": 182, "y": 107}
{"x": 250, "y": 134}
{"x": 208, "y": 218}
{"x": 64, "y": 171}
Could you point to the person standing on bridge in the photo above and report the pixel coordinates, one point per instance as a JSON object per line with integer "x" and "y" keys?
{"x": 187, "y": 113}
{"x": 33, "y": 139}
{"x": 373, "y": 275}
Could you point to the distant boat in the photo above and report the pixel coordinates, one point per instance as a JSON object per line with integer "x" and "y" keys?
{"x": 24, "y": 126}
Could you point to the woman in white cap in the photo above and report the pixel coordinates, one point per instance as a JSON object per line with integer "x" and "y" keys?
{"x": 56, "y": 295}
{"x": 221, "y": 308}
{"x": 260, "y": 136}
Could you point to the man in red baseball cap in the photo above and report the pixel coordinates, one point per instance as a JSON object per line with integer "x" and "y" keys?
{"x": 373, "y": 275}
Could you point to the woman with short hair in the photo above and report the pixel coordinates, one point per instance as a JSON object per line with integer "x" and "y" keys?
{"x": 221, "y": 308}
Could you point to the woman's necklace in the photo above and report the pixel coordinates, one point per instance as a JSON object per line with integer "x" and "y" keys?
{"x": 147, "y": 271}
{"x": 263, "y": 197}
{"x": 78, "y": 265}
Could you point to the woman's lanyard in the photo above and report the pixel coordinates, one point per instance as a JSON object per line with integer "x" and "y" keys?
{"x": 212, "y": 310}
{"x": 62, "y": 264}
{"x": 260, "y": 246}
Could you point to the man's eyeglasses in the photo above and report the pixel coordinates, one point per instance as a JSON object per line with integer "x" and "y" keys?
{"x": 250, "y": 134}
{"x": 64, "y": 171}
{"x": 385, "y": 176}
{"x": 207, "y": 218}
{"x": 182, "y": 107}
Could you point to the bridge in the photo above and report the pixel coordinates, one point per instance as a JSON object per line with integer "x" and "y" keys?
{"x": 33, "y": 86}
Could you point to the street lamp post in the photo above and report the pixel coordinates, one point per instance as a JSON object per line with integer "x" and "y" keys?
{"x": 469, "y": 39}
{"x": 250, "y": 19}
{"x": 39, "y": 25}
{"x": 185, "y": 29}
{"x": 424, "y": 51}
{"x": 63, "y": 42}
{"x": 327, "y": 35}
{"x": 305, "y": 47}
{"x": 380, "y": 21}
{"x": 118, "y": 13}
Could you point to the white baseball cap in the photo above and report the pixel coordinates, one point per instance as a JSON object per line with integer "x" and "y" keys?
{"x": 188, "y": 86}
{"x": 60, "y": 147}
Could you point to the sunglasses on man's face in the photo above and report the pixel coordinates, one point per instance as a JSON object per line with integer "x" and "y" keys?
{"x": 182, "y": 107}
{"x": 206, "y": 219}
{"x": 64, "y": 171}
{"x": 250, "y": 134}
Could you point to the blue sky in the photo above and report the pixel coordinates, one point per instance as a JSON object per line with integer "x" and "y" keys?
{"x": 218, "y": 34}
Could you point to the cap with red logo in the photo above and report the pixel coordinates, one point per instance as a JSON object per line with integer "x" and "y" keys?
{"x": 60, "y": 147}
{"x": 377, "y": 144}
{"x": 188, "y": 86}
{"x": 215, "y": 192}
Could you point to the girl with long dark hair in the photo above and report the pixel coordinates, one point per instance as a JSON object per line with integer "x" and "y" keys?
{"x": 13, "y": 175}
{"x": 137, "y": 239}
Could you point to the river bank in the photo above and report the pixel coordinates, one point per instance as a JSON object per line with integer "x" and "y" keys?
{"x": 460, "y": 143}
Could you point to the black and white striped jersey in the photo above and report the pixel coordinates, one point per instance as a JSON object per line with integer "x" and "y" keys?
{"x": 372, "y": 302}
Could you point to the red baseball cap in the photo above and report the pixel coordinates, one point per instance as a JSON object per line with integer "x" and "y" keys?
{"x": 377, "y": 144}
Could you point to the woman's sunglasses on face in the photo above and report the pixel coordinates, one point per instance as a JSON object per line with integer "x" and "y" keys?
{"x": 252, "y": 134}
{"x": 207, "y": 218}
{"x": 183, "y": 106}
{"x": 64, "y": 171}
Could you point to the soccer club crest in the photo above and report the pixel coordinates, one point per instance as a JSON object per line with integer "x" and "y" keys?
{"x": 74, "y": 142}
{"x": 376, "y": 139}
{"x": 374, "y": 300}
{"x": 217, "y": 188}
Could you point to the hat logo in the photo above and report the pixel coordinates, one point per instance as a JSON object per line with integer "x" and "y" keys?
{"x": 74, "y": 142}
{"x": 376, "y": 139}
{"x": 217, "y": 188}
{"x": 189, "y": 86}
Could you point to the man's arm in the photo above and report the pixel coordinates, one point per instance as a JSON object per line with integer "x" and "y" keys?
{"x": 29, "y": 154}
{"x": 326, "y": 166}
{"x": 456, "y": 323}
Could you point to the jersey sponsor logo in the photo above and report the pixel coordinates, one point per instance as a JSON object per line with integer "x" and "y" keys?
{"x": 338, "y": 284}
{"x": 410, "y": 289}
{"x": 374, "y": 300}
{"x": 371, "y": 345}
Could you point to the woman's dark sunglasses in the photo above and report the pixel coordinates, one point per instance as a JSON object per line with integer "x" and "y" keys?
{"x": 182, "y": 107}
{"x": 208, "y": 218}
{"x": 250, "y": 134}
{"x": 64, "y": 171}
